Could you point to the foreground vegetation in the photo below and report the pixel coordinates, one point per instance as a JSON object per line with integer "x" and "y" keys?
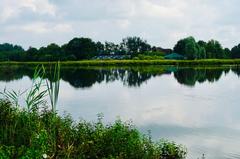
{"x": 43, "y": 134}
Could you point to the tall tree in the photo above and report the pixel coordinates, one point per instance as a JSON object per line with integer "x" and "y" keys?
{"x": 6, "y": 47}
{"x": 214, "y": 49}
{"x": 81, "y": 48}
{"x": 100, "y": 48}
{"x": 111, "y": 48}
{"x": 134, "y": 45}
{"x": 235, "y": 52}
{"x": 188, "y": 48}
{"x": 10, "y": 52}
{"x": 32, "y": 54}
{"x": 52, "y": 52}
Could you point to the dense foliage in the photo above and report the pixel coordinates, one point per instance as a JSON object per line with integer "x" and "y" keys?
{"x": 85, "y": 48}
{"x": 235, "y": 52}
{"x": 43, "y": 134}
{"x": 11, "y": 52}
{"x": 191, "y": 49}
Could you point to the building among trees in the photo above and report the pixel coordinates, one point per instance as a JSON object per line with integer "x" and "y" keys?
{"x": 174, "y": 56}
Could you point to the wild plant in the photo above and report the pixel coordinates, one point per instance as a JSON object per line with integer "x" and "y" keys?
{"x": 53, "y": 86}
{"x": 36, "y": 95}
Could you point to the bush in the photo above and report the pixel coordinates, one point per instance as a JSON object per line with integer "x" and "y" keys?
{"x": 41, "y": 134}
{"x": 149, "y": 57}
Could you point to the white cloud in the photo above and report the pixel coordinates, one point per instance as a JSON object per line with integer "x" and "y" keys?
{"x": 42, "y": 28}
{"x": 162, "y": 22}
{"x": 14, "y": 8}
{"x": 6, "y": 13}
{"x": 151, "y": 9}
{"x": 123, "y": 23}
{"x": 39, "y": 6}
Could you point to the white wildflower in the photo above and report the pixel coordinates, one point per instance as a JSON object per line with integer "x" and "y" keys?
{"x": 44, "y": 155}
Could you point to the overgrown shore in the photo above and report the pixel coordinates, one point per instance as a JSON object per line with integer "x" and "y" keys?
{"x": 44, "y": 134}
{"x": 206, "y": 62}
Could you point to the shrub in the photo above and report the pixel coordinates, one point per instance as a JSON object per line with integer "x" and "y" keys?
{"x": 40, "y": 134}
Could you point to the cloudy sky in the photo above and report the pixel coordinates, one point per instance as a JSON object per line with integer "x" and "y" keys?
{"x": 160, "y": 22}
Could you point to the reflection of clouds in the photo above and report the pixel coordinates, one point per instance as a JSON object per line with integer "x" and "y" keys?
{"x": 193, "y": 97}
{"x": 22, "y": 84}
{"x": 160, "y": 101}
{"x": 215, "y": 142}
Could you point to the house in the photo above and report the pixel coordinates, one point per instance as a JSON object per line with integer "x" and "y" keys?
{"x": 159, "y": 49}
{"x": 111, "y": 57}
{"x": 174, "y": 56}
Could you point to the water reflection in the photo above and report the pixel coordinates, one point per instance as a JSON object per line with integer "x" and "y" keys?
{"x": 189, "y": 76}
{"x": 82, "y": 77}
{"x": 197, "y": 107}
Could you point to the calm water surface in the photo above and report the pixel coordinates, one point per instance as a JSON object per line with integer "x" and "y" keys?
{"x": 196, "y": 107}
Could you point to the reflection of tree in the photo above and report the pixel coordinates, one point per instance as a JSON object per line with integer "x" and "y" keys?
{"x": 8, "y": 74}
{"x": 236, "y": 70}
{"x": 186, "y": 76}
{"x": 189, "y": 76}
{"x": 213, "y": 75}
{"x": 135, "y": 78}
{"x": 83, "y": 77}
{"x": 87, "y": 77}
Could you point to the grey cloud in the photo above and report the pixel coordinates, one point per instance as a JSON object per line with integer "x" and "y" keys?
{"x": 160, "y": 22}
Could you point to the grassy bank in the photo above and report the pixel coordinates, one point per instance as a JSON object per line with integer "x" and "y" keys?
{"x": 43, "y": 134}
{"x": 206, "y": 62}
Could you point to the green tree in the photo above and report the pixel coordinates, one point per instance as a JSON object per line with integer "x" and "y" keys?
{"x": 202, "y": 49}
{"x": 51, "y": 53}
{"x": 214, "y": 50}
{"x": 201, "y": 52}
{"x": 111, "y": 48}
{"x": 189, "y": 48}
{"x": 202, "y": 43}
{"x": 6, "y": 47}
{"x": 235, "y": 52}
{"x": 81, "y": 48}
{"x": 10, "y": 52}
{"x": 135, "y": 45}
{"x": 100, "y": 48}
{"x": 32, "y": 54}
{"x": 227, "y": 53}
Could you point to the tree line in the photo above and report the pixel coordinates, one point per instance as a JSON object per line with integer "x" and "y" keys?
{"x": 85, "y": 48}
{"x": 192, "y": 49}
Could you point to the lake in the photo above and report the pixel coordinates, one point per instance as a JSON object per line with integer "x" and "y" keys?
{"x": 197, "y": 107}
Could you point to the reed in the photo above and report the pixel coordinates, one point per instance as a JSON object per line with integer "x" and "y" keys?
{"x": 54, "y": 85}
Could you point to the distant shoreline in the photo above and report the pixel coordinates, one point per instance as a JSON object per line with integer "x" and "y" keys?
{"x": 134, "y": 62}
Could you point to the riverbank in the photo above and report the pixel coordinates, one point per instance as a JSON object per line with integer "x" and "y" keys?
{"x": 42, "y": 133}
{"x": 205, "y": 62}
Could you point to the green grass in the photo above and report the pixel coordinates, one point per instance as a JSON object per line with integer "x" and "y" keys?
{"x": 135, "y": 62}
{"x": 35, "y": 134}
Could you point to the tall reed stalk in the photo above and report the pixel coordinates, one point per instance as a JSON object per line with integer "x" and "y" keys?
{"x": 36, "y": 95}
{"x": 53, "y": 86}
